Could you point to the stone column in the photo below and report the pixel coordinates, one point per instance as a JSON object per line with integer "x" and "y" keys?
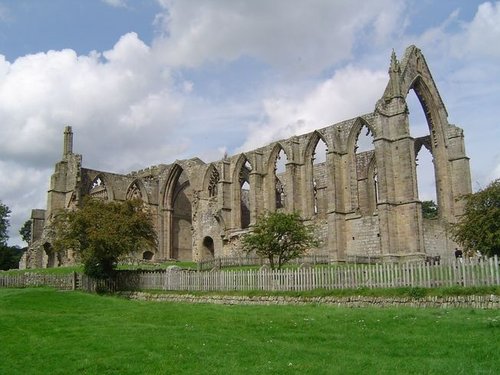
{"x": 166, "y": 244}
{"x": 224, "y": 195}
{"x": 336, "y": 213}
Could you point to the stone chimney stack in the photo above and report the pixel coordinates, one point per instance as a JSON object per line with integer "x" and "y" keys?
{"x": 68, "y": 141}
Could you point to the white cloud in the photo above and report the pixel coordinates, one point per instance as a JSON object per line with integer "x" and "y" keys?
{"x": 116, "y": 3}
{"x": 122, "y": 105}
{"x": 22, "y": 188}
{"x": 348, "y": 93}
{"x": 480, "y": 38}
{"x": 464, "y": 56}
{"x": 125, "y": 89}
{"x": 496, "y": 172}
{"x": 297, "y": 36}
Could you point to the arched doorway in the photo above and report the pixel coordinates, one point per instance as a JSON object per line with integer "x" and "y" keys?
{"x": 147, "y": 255}
{"x": 177, "y": 235}
{"x": 208, "y": 247}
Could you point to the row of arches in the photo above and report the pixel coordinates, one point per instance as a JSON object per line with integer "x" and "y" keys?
{"x": 367, "y": 176}
{"x": 178, "y": 198}
{"x": 311, "y": 174}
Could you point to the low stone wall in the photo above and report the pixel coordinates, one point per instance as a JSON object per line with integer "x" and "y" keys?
{"x": 28, "y": 280}
{"x": 475, "y": 302}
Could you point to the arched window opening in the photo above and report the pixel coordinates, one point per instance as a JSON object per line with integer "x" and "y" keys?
{"x": 98, "y": 189}
{"x": 424, "y": 160}
{"x": 364, "y": 141}
{"x": 50, "y": 255}
{"x": 182, "y": 219}
{"x": 245, "y": 194}
{"x": 426, "y": 183}
{"x": 134, "y": 192}
{"x": 281, "y": 161}
{"x": 147, "y": 255}
{"x": 208, "y": 247}
{"x": 365, "y": 166}
{"x": 279, "y": 178}
{"x": 419, "y": 126}
{"x": 319, "y": 178}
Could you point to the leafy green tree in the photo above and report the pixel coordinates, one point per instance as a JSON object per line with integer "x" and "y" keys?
{"x": 25, "y": 231}
{"x": 279, "y": 237}
{"x": 4, "y": 223}
{"x": 9, "y": 257}
{"x": 429, "y": 210}
{"x": 479, "y": 227}
{"x": 101, "y": 232}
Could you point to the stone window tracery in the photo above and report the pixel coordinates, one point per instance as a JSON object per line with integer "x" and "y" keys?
{"x": 244, "y": 180}
{"x": 134, "y": 192}
{"x": 280, "y": 194}
{"x": 213, "y": 183}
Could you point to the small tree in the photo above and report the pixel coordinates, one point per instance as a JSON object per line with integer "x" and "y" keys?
{"x": 25, "y": 232}
{"x": 101, "y": 232}
{"x": 279, "y": 237}
{"x": 4, "y": 223}
{"x": 479, "y": 227}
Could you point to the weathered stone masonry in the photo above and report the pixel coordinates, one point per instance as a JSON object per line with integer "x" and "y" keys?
{"x": 363, "y": 203}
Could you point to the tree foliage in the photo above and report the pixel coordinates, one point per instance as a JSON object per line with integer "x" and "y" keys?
{"x": 279, "y": 237}
{"x": 479, "y": 228}
{"x": 25, "y": 231}
{"x": 4, "y": 223}
{"x": 9, "y": 257}
{"x": 102, "y": 232}
{"x": 429, "y": 210}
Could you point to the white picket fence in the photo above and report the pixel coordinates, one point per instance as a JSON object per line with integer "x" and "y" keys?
{"x": 465, "y": 273}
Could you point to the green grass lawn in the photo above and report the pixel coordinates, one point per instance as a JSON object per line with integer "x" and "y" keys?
{"x": 43, "y": 331}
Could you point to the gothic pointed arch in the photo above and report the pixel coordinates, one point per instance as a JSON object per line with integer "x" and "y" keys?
{"x": 211, "y": 181}
{"x": 423, "y": 142}
{"x": 316, "y": 176}
{"x": 433, "y": 110}
{"x": 276, "y": 178}
{"x": 136, "y": 190}
{"x": 241, "y": 192}
{"x": 359, "y": 157}
{"x": 314, "y": 138}
{"x": 178, "y": 202}
{"x": 355, "y": 132}
{"x": 273, "y": 155}
{"x": 100, "y": 188}
{"x": 416, "y": 76}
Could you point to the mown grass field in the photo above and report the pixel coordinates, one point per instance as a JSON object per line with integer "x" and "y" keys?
{"x": 43, "y": 331}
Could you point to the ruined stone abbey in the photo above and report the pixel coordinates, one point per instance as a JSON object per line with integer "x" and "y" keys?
{"x": 361, "y": 202}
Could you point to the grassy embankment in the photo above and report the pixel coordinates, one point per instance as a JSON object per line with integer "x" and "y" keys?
{"x": 43, "y": 331}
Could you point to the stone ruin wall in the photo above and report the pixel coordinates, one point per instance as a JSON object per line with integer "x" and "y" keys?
{"x": 199, "y": 209}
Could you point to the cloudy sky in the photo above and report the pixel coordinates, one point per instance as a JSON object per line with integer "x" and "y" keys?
{"x": 145, "y": 82}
